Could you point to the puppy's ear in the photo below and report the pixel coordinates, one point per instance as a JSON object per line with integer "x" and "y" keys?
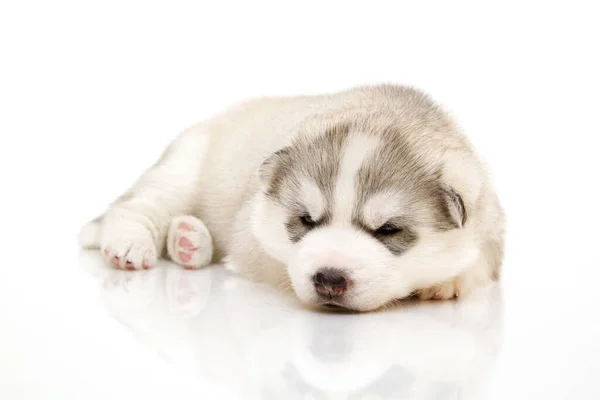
{"x": 269, "y": 167}
{"x": 454, "y": 207}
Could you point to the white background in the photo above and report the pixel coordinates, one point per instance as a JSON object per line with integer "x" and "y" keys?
{"x": 91, "y": 92}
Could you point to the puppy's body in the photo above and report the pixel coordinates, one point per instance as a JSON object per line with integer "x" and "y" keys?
{"x": 355, "y": 198}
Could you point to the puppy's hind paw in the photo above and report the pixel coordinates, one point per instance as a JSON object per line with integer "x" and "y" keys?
{"x": 189, "y": 243}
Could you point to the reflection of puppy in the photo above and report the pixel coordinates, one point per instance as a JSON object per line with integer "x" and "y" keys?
{"x": 122, "y": 290}
{"x": 161, "y": 305}
{"x": 355, "y": 198}
{"x": 420, "y": 350}
{"x": 429, "y": 352}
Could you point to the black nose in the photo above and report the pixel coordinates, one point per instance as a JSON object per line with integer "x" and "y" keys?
{"x": 330, "y": 282}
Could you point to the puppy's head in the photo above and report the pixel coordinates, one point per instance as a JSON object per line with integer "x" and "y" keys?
{"x": 360, "y": 218}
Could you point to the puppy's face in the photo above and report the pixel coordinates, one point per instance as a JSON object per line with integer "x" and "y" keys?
{"x": 358, "y": 220}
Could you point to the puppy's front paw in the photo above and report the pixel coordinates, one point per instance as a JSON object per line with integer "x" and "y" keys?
{"x": 445, "y": 291}
{"x": 189, "y": 243}
{"x": 128, "y": 244}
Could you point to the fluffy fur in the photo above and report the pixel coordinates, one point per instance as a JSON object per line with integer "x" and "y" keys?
{"x": 375, "y": 182}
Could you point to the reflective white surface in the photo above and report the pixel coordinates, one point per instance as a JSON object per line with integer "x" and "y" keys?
{"x": 89, "y": 331}
{"x": 260, "y": 344}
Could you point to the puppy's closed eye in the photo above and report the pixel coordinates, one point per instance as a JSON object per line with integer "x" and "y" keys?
{"x": 388, "y": 229}
{"x": 308, "y": 221}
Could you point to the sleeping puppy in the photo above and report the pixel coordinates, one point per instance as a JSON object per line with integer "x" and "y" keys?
{"x": 352, "y": 199}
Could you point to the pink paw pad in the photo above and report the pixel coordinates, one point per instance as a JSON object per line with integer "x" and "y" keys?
{"x": 184, "y": 226}
{"x": 185, "y": 257}
{"x": 185, "y": 243}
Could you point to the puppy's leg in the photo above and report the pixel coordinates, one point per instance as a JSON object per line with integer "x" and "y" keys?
{"x": 189, "y": 243}
{"x": 134, "y": 228}
{"x": 474, "y": 277}
{"x": 443, "y": 291}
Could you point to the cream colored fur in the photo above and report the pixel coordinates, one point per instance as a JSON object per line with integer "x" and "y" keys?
{"x": 210, "y": 171}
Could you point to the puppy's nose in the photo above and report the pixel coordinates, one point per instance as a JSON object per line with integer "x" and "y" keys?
{"x": 330, "y": 282}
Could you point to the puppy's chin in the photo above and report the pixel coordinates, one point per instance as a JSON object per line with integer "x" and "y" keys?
{"x": 354, "y": 305}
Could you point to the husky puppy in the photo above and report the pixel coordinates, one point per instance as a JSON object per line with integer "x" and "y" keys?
{"x": 353, "y": 199}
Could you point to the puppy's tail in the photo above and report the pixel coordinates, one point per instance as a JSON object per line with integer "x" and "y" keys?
{"x": 89, "y": 235}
